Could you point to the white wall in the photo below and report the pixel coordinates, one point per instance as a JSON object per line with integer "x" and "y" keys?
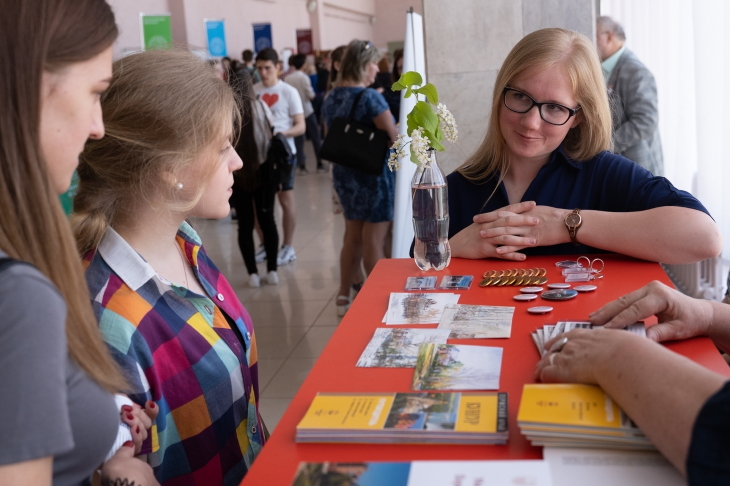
{"x": 390, "y": 25}
{"x": 335, "y": 22}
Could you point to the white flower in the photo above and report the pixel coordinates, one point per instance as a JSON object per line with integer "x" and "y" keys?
{"x": 420, "y": 146}
{"x": 447, "y": 122}
{"x": 397, "y": 152}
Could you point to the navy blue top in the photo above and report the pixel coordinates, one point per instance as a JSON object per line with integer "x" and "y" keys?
{"x": 608, "y": 182}
{"x": 708, "y": 459}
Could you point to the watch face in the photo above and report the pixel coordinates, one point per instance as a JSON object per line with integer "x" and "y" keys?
{"x": 572, "y": 220}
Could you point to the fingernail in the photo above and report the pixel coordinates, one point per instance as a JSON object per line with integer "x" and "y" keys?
{"x": 535, "y": 220}
{"x": 130, "y": 416}
{"x": 127, "y": 408}
{"x": 129, "y": 443}
{"x": 137, "y": 429}
{"x": 531, "y": 241}
{"x": 482, "y": 234}
{"x": 152, "y": 404}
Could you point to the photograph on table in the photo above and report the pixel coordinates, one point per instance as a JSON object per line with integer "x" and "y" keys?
{"x": 420, "y": 283}
{"x": 398, "y": 348}
{"x": 430, "y": 411}
{"x": 457, "y": 367}
{"x": 477, "y": 321}
{"x": 418, "y": 308}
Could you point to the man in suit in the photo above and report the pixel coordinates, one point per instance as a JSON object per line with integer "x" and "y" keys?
{"x": 633, "y": 96}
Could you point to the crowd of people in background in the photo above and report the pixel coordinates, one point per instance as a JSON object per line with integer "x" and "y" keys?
{"x": 127, "y": 353}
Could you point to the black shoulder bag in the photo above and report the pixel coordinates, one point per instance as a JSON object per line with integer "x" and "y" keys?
{"x": 356, "y": 145}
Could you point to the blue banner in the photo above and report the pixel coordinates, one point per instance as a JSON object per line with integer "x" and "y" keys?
{"x": 262, "y": 37}
{"x": 216, "y": 33}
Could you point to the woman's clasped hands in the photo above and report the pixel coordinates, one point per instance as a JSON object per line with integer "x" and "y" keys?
{"x": 506, "y": 231}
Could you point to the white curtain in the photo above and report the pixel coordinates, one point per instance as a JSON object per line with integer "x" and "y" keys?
{"x": 685, "y": 45}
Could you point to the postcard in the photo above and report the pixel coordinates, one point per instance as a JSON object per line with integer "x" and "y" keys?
{"x": 477, "y": 321}
{"x": 456, "y": 282}
{"x": 457, "y": 367}
{"x": 419, "y": 308}
{"x": 420, "y": 283}
{"x": 398, "y": 347}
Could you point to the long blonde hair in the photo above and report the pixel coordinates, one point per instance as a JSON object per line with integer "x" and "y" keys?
{"x": 543, "y": 49}
{"x": 163, "y": 110}
{"x": 47, "y": 35}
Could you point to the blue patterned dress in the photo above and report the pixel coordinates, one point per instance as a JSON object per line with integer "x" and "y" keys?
{"x": 363, "y": 196}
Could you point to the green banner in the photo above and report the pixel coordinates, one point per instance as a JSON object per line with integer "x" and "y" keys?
{"x": 156, "y": 31}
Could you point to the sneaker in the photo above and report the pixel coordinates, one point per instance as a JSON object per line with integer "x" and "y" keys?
{"x": 261, "y": 254}
{"x": 254, "y": 280}
{"x": 343, "y": 304}
{"x": 286, "y": 255}
{"x": 272, "y": 278}
{"x": 303, "y": 170}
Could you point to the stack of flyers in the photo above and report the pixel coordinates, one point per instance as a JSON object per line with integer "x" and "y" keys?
{"x": 419, "y": 308}
{"x": 457, "y": 367}
{"x": 398, "y": 418}
{"x": 549, "y": 331}
{"x": 477, "y": 321}
{"x": 460, "y": 282}
{"x": 398, "y": 347}
{"x": 573, "y": 415}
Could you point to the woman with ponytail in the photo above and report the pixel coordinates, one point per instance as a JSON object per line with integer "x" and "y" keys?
{"x": 171, "y": 320}
{"x": 59, "y": 417}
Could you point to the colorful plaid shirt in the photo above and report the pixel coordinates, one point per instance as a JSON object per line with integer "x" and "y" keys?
{"x": 177, "y": 348}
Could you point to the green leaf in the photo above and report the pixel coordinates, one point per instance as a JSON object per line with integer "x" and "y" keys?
{"x": 433, "y": 141}
{"x": 414, "y": 159}
{"x": 439, "y": 134}
{"x": 409, "y": 91}
{"x": 425, "y": 117}
{"x": 430, "y": 92}
{"x": 397, "y": 86}
{"x": 412, "y": 125}
{"x": 411, "y": 78}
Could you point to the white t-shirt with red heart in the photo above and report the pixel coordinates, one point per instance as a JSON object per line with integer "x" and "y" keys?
{"x": 284, "y": 102}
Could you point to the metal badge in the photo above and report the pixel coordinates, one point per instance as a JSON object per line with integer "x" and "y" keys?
{"x": 531, "y": 290}
{"x": 559, "y": 294}
{"x": 525, "y": 297}
{"x": 585, "y": 288}
{"x": 542, "y": 309}
{"x": 559, "y": 286}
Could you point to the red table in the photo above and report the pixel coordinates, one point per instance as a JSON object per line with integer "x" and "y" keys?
{"x": 335, "y": 369}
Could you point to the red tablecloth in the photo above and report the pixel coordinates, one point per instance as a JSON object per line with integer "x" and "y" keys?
{"x": 335, "y": 369}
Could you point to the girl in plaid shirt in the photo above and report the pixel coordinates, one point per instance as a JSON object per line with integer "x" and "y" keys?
{"x": 169, "y": 317}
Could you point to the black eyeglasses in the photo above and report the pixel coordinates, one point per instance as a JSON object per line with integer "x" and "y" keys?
{"x": 552, "y": 113}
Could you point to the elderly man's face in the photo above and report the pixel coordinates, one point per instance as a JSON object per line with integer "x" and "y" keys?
{"x": 603, "y": 41}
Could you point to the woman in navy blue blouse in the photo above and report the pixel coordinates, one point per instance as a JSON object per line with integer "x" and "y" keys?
{"x": 546, "y": 156}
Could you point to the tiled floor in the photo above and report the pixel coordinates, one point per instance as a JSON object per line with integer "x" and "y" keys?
{"x": 295, "y": 319}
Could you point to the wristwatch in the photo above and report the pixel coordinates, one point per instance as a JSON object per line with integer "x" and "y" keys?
{"x": 573, "y": 222}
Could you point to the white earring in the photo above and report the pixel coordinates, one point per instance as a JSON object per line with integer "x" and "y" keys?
{"x": 178, "y": 185}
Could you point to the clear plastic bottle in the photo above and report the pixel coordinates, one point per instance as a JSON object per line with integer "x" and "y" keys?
{"x": 431, "y": 216}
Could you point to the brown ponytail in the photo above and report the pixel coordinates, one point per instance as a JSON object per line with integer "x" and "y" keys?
{"x": 47, "y": 35}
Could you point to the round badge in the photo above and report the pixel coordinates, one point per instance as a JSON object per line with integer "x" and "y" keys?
{"x": 585, "y": 288}
{"x": 558, "y": 286}
{"x": 542, "y": 309}
{"x": 559, "y": 294}
{"x": 525, "y": 297}
{"x": 567, "y": 264}
{"x": 531, "y": 290}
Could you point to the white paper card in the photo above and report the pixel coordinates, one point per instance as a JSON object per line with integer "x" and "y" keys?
{"x": 602, "y": 467}
{"x": 480, "y": 473}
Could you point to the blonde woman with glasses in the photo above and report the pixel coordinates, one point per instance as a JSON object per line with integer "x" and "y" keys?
{"x": 543, "y": 180}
